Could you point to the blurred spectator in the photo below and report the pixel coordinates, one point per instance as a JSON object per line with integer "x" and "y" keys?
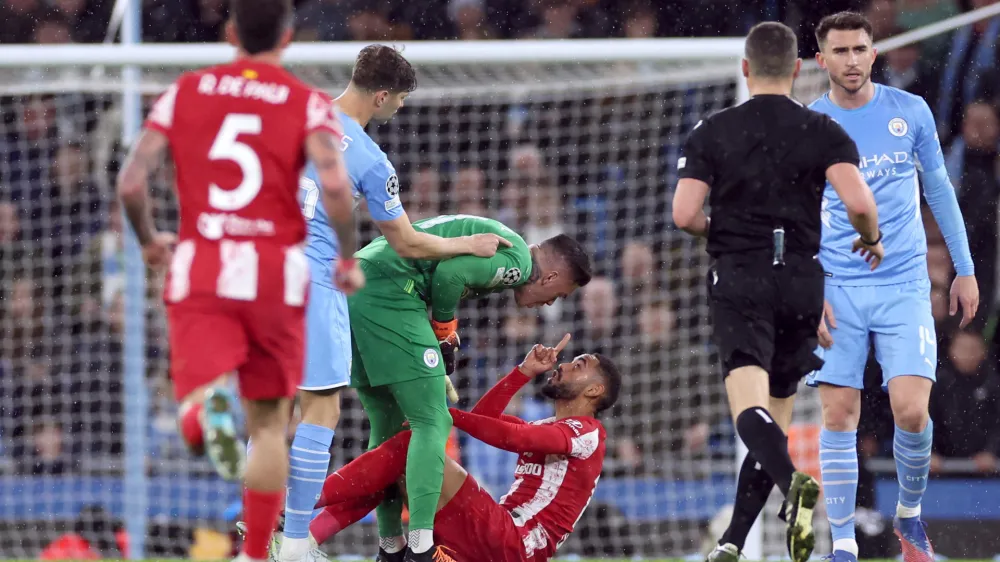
{"x": 469, "y": 191}
{"x": 322, "y": 20}
{"x": 882, "y": 15}
{"x": 47, "y": 454}
{"x": 640, "y": 21}
{"x": 965, "y": 405}
{"x": 939, "y": 266}
{"x": 917, "y": 13}
{"x": 973, "y": 54}
{"x": 904, "y": 69}
{"x": 30, "y": 147}
{"x": 600, "y": 315}
{"x": 369, "y": 25}
{"x": 87, "y": 24}
{"x": 559, "y": 21}
{"x": 975, "y": 154}
{"x": 17, "y": 20}
{"x": 11, "y": 246}
{"x": 637, "y": 268}
{"x": 423, "y": 199}
{"x": 469, "y": 19}
{"x": 53, "y": 29}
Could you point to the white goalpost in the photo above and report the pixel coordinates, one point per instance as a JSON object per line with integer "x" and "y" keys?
{"x": 579, "y": 137}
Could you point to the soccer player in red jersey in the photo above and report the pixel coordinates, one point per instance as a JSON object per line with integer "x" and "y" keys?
{"x": 239, "y": 135}
{"x": 557, "y": 472}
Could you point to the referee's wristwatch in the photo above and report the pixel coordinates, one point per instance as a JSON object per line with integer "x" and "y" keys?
{"x": 872, "y": 243}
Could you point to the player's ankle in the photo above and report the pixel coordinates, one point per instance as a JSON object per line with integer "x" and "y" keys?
{"x": 421, "y": 540}
{"x": 189, "y": 420}
{"x": 294, "y": 549}
{"x": 904, "y": 512}
{"x": 847, "y": 545}
{"x": 392, "y": 545}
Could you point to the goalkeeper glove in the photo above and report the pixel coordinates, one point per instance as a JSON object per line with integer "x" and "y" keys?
{"x": 449, "y": 343}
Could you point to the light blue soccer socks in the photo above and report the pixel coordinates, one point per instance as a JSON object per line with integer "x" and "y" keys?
{"x": 913, "y": 464}
{"x": 838, "y": 460}
{"x": 309, "y": 462}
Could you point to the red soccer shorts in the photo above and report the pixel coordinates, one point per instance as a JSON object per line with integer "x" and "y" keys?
{"x": 475, "y": 527}
{"x": 263, "y": 342}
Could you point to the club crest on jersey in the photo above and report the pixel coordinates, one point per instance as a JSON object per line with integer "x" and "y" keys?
{"x": 431, "y": 357}
{"x": 898, "y": 127}
{"x": 513, "y": 275}
{"x": 392, "y": 185}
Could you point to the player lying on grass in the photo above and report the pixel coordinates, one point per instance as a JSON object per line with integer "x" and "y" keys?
{"x": 400, "y": 360}
{"x": 557, "y": 471}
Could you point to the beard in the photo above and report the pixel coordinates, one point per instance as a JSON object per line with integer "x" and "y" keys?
{"x": 554, "y": 390}
{"x": 865, "y": 78}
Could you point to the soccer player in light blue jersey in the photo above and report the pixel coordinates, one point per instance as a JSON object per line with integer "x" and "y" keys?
{"x": 381, "y": 81}
{"x": 889, "y": 307}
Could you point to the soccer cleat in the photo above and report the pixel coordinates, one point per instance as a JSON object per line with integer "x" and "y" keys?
{"x": 840, "y": 556}
{"x": 432, "y": 554}
{"x": 224, "y": 447}
{"x": 800, "y": 503}
{"x": 384, "y": 556}
{"x": 724, "y": 553}
{"x": 913, "y": 539}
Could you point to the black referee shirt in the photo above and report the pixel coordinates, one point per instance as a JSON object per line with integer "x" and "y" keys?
{"x": 765, "y": 162}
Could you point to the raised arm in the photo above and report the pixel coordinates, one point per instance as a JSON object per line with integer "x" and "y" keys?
{"x": 496, "y": 399}
{"x": 540, "y": 359}
{"x": 548, "y": 439}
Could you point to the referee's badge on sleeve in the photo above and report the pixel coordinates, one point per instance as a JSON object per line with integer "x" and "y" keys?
{"x": 681, "y": 162}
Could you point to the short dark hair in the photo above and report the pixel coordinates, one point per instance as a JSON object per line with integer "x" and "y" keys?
{"x": 571, "y": 252}
{"x": 260, "y": 23}
{"x": 382, "y": 68}
{"x": 771, "y": 49}
{"x": 842, "y": 21}
{"x": 612, "y": 382}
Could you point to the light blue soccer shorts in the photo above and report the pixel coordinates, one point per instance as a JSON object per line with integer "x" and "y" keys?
{"x": 328, "y": 340}
{"x": 896, "y": 319}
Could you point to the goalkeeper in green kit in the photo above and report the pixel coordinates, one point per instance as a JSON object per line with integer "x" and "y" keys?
{"x": 401, "y": 359}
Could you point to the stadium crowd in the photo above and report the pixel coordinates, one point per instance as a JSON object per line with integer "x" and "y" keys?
{"x": 61, "y": 244}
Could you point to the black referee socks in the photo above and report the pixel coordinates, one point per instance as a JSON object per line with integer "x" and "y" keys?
{"x": 753, "y": 487}
{"x": 768, "y": 444}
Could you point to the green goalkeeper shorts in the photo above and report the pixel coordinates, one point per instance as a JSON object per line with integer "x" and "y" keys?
{"x": 391, "y": 336}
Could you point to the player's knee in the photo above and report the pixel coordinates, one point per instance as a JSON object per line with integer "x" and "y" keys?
{"x": 910, "y": 417}
{"x": 840, "y": 417}
{"x": 320, "y": 408}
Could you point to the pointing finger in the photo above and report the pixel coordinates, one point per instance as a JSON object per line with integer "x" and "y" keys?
{"x": 562, "y": 343}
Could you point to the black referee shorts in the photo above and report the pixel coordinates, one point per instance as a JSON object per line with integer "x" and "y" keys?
{"x": 767, "y": 316}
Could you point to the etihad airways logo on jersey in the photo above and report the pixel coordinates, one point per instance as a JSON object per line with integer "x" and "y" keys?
{"x": 213, "y": 226}
{"x": 882, "y": 165}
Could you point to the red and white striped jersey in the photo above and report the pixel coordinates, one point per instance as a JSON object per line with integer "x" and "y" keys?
{"x": 237, "y": 136}
{"x": 551, "y": 492}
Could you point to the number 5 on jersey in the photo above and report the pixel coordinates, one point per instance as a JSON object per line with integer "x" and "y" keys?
{"x": 227, "y": 147}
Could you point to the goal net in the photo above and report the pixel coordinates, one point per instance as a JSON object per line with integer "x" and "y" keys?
{"x": 589, "y": 149}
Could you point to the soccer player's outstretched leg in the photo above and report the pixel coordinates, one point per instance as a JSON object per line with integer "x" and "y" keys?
{"x": 766, "y": 286}
{"x": 401, "y": 361}
{"x": 240, "y": 222}
{"x": 562, "y": 456}
{"x": 897, "y": 138}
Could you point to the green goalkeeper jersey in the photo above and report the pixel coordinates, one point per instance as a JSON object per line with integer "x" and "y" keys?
{"x": 444, "y": 283}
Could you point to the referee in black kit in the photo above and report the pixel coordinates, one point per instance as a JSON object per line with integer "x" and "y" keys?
{"x": 764, "y": 166}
